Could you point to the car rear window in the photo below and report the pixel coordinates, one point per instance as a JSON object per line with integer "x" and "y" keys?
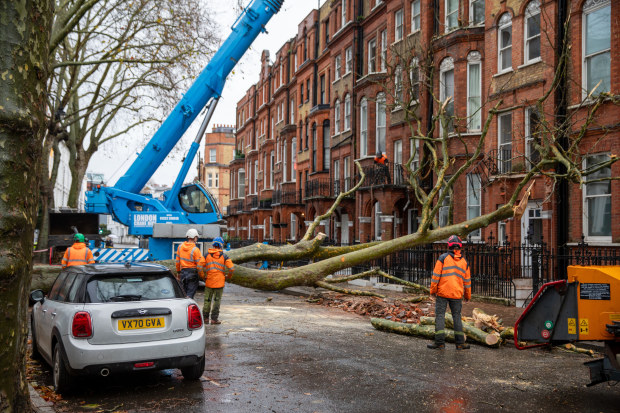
{"x": 132, "y": 287}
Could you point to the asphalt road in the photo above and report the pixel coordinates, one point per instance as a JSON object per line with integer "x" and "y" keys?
{"x": 277, "y": 353}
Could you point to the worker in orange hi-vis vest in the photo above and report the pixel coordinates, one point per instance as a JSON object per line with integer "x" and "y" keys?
{"x": 215, "y": 266}
{"x": 382, "y": 162}
{"x": 78, "y": 253}
{"x": 187, "y": 262}
{"x": 450, "y": 283}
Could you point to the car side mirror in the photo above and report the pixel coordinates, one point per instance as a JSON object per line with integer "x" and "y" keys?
{"x": 37, "y": 296}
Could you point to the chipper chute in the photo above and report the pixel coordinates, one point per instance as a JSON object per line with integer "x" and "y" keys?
{"x": 585, "y": 307}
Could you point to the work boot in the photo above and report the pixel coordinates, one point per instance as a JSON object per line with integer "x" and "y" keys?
{"x": 216, "y": 322}
{"x": 436, "y": 346}
{"x": 463, "y": 346}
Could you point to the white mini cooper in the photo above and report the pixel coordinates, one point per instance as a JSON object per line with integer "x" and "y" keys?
{"x": 113, "y": 318}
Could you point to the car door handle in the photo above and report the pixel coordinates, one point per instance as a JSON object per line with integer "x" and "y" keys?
{"x": 53, "y": 314}
{"x": 44, "y": 311}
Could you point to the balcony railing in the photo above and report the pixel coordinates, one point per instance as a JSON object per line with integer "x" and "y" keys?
{"x": 291, "y": 197}
{"x": 377, "y": 175}
{"x": 319, "y": 188}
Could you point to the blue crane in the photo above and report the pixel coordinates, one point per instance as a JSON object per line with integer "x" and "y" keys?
{"x": 164, "y": 221}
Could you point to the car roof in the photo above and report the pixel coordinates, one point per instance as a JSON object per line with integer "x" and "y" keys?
{"x": 115, "y": 268}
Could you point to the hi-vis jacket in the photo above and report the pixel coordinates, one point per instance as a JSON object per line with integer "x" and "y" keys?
{"x": 214, "y": 266}
{"x": 77, "y": 254}
{"x": 451, "y": 278}
{"x": 188, "y": 256}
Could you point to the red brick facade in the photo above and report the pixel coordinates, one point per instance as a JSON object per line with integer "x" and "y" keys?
{"x": 322, "y": 103}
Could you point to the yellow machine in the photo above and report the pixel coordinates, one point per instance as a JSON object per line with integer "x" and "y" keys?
{"x": 585, "y": 307}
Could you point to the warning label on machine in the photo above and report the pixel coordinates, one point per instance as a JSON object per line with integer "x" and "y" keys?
{"x": 589, "y": 291}
{"x": 572, "y": 326}
{"x": 584, "y": 327}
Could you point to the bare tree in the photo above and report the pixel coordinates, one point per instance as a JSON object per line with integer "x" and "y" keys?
{"x": 122, "y": 67}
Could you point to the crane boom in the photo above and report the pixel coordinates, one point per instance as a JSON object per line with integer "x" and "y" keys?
{"x": 207, "y": 86}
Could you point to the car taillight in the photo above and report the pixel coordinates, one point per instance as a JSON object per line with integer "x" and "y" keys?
{"x": 82, "y": 326}
{"x": 194, "y": 317}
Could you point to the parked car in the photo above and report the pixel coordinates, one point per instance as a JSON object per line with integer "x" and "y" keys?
{"x": 115, "y": 318}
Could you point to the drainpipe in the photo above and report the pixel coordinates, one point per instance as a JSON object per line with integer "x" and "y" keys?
{"x": 562, "y": 194}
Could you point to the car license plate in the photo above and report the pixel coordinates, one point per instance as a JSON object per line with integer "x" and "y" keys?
{"x": 141, "y": 323}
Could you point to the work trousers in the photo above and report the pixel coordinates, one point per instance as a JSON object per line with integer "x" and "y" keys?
{"x": 211, "y": 308}
{"x": 189, "y": 281}
{"x": 440, "y": 319}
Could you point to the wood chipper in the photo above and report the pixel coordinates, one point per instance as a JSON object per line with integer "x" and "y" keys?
{"x": 585, "y": 307}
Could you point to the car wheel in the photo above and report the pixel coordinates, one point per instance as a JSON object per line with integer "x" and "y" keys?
{"x": 194, "y": 372}
{"x": 35, "y": 354}
{"x": 62, "y": 379}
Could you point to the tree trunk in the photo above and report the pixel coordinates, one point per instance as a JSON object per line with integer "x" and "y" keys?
{"x": 26, "y": 26}
{"x": 78, "y": 170}
{"x": 477, "y": 335}
{"x": 417, "y": 330}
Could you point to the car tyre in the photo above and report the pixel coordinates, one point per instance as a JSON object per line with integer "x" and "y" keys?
{"x": 194, "y": 372}
{"x": 35, "y": 354}
{"x": 61, "y": 376}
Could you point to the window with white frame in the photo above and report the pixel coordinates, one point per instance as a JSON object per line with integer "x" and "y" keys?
{"x": 337, "y": 117}
{"x": 452, "y": 15}
{"x": 504, "y": 46}
{"x": 264, "y": 171}
{"x": 241, "y": 183}
{"x": 414, "y": 79}
{"x": 343, "y": 19}
{"x": 337, "y": 67}
{"x": 209, "y": 180}
{"x": 217, "y": 180}
{"x": 413, "y": 148}
{"x": 415, "y": 16}
{"x": 444, "y": 209}
{"x": 326, "y": 146}
{"x": 272, "y": 128}
{"x": 446, "y": 90}
{"x": 597, "y": 46}
{"x": 348, "y": 54}
{"x": 233, "y": 188}
{"x": 295, "y": 61}
{"x": 212, "y": 156}
{"x": 293, "y": 160}
{"x": 474, "y": 204}
{"x": 347, "y": 173}
{"x": 504, "y": 144}
{"x": 322, "y": 91}
{"x": 255, "y": 186}
{"x": 384, "y": 50}
{"x": 347, "y": 112}
{"x": 532, "y": 32}
{"x": 372, "y": 56}
{"x": 474, "y": 91}
{"x": 398, "y": 85}
{"x": 532, "y": 136}
{"x": 597, "y": 198}
{"x": 363, "y": 128}
{"x": 381, "y": 123}
{"x": 271, "y": 169}
{"x": 284, "y": 162}
{"x": 399, "y": 28}
{"x": 270, "y": 228}
{"x": 336, "y": 172}
{"x": 315, "y": 148}
{"x": 292, "y": 110}
{"x": 476, "y": 12}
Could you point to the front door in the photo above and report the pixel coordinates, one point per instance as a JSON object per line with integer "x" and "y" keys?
{"x": 531, "y": 240}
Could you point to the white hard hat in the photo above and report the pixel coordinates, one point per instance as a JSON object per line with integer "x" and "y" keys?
{"x": 191, "y": 233}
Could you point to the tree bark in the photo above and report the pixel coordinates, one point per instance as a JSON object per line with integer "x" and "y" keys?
{"x": 26, "y": 26}
{"x": 417, "y": 330}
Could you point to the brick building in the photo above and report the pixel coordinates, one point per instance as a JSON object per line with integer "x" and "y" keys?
{"x": 214, "y": 170}
{"x": 348, "y": 83}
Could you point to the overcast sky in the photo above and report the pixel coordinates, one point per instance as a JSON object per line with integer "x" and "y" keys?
{"x": 114, "y": 161}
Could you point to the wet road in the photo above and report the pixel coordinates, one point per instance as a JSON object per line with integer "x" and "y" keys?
{"x": 277, "y": 353}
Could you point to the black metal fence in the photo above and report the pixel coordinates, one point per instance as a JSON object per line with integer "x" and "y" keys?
{"x": 493, "y": 266}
